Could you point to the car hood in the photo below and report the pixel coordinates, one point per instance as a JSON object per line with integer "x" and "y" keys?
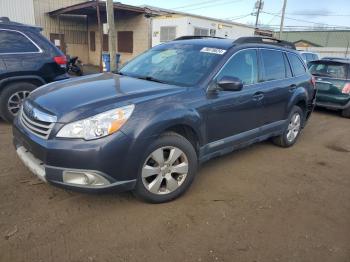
{"x": 77, "y": 98}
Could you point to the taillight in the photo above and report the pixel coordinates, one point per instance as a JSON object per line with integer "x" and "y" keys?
{"x": 346, "y": 89}
{"x": 313, "y": 81}
{"x": 60, "y": 60}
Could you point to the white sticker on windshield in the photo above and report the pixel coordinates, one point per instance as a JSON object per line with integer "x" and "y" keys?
{"x": 212, "y": 50}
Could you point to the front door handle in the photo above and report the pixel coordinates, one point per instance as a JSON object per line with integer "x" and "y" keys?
{"x": 258, "y": 96}
{"x": 292, "y": 87}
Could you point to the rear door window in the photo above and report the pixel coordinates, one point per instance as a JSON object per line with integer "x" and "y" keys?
{"x": 15, "y": 42}
{"x": 297, "y": 66}
{"x": 333, "y": 70}
{"x": 273, "y": 65}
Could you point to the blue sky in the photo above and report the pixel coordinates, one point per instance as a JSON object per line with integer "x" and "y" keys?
{"x": 334, "y": 12}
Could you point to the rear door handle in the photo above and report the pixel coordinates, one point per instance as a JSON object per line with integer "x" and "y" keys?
{"x": 292, "y": 87}
{"x": 258, "y": 96}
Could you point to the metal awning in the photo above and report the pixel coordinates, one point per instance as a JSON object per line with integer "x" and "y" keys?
{"x": 89, "y": 8}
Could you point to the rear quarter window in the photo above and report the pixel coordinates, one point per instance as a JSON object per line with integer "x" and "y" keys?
{"x": 296, "y": 64}
{"x": 15, "y": 42}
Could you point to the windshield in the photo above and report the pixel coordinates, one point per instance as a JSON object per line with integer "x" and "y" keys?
{"x": 183, "y": 65}
{"x": 333, "y": 70}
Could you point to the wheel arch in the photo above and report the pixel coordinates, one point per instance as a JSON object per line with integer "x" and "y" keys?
{"x": 300, "y": 99}
{"x": 33, "y": 79}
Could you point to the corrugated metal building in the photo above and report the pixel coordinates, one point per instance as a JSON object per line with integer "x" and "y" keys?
{"x": 327, "y": 38}
{"x": 324, "y": 42}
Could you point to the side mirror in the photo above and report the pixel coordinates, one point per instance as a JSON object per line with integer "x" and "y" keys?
{"x": 230, "y": 83}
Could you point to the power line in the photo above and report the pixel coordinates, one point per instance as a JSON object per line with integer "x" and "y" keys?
{"x": 315, "y": 14}
{"x": 194, "y": 4}
{"x": 304, "y": 21}
{"x": 211, "y": 5}
{"x": 236, "y": 17}
{"x": 240, "y": 17}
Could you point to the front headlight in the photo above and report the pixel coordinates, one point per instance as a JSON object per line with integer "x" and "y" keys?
{"x": 97, "y": 126}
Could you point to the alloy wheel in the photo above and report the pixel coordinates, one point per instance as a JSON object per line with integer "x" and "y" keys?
{"x": 15, "y": 101}
{"x": 294, "y": 127}
{"x": 165, "y": 170}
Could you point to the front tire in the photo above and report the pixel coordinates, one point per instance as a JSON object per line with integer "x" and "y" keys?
{"x": 11, "y": 99}
{"x": 167, "y": 170}
{"x": 292, "y": 130}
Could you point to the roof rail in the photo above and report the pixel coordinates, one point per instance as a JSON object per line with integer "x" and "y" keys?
{"x": 4, "y": 19}
{"x": 187, "y": 37}
{"x": 264, "y": 40}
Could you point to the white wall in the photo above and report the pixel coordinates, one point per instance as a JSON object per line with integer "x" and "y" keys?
{"x": 185, "y": 26}
{"x": 226, "y": 30}
{"x": 21, "y": 11}
{"x": 181, "y": 24}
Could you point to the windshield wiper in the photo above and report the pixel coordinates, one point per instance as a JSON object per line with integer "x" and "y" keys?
{"x": 150, "y": 78}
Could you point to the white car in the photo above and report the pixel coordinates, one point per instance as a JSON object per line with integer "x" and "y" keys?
{"x": 309, "y": 56}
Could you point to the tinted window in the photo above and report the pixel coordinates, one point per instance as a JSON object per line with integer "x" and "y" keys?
{"x": 297, "y": 66}
{"x": 242, "y": 65}
{"x": 334, "y": 70}
{"x": 274, "y": 67}
{"x": 13, "y": 42}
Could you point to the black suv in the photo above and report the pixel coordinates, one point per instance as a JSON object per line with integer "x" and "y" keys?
{"x": 180, "y": 103}
{"x": 27, "y": 60}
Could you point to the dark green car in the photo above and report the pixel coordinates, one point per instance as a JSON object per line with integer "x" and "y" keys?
{"x": 333, "y": 84}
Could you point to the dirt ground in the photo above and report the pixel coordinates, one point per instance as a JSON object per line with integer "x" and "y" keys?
{"x": 262, "y": 203}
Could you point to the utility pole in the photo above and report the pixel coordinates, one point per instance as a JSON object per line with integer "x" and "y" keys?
{"x": 259, "y": 5}
{"x": 282, "y": 18}
{"x": 100, "y": 34}
{"x": 111, "y": 35}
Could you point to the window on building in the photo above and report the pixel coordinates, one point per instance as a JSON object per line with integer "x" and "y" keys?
{"x": 274, "y": 66}
{"x": 105, "y": 47}
{"x": 125, "y": 41}
{"x": 14, "y": 42}
{"x": 167, "y": 33}
{"x": 92, "y": 41}
{"x": 201, "y": 31}
{"x": 297, "y": 66}
{"x": 212, "y": 32}
{"x": 243, "y": 65}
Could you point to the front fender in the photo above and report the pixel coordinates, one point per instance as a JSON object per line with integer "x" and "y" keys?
{"x": 144, "y": 130}
{"x": 155, "y": 124}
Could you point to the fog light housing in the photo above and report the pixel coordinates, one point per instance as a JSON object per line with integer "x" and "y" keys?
{"x": 84, "y": 178}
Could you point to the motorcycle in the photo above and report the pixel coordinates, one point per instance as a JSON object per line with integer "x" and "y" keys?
{"x": 74, "y": 66}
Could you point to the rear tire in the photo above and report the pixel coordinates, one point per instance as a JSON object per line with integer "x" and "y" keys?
{"x": 346, "y": 112}
{"x": 167, "y": 170}
{"x": 292, "y": 130}
{"x": 12, "y": 97}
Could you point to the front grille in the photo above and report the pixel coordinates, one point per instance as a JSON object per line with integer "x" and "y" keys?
{"x": 40, "y": 128}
